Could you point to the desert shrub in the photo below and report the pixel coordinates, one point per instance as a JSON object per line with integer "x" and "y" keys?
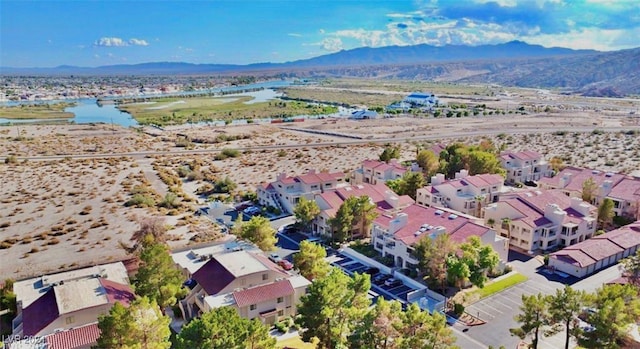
{"x": 11, "y": 159}
{"x": 231, "y": 153}
{"x": 282, "y": 153}
{"x": 183, "y": 171}
{"x": 282, "y": 326}
{"x": 170, "y": 201}
{"x": 225, "y": 185}
{"x": 458, "y": 309}
{"x": 5, "y": 224}
{"x": 140, "y": 200}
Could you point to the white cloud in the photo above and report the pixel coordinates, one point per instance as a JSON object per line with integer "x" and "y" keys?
{"x": 108, "y": 42}
{"x": 589, "y": 38}
{"x": 503, "y": 3}
{"x": 119, "y": 42}
{"x": 138, "y": 42}
{"x": 332, "y": 44}
{"x": 295, "y": 35}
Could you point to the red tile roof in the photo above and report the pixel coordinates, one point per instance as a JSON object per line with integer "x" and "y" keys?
{"x": 579, "y": 175}
{"x": 522, "y": 155}
{"x": 375, "y": 192}
{"x": 74, "y": 338}
{"x": 259, "y": 294}
{"x": 628, "y": 190}
{"x": 533, "y": 204}
{"x": 483, "y": 180}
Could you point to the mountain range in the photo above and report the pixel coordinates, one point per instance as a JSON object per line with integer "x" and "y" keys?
{"x": 514, "y": 63}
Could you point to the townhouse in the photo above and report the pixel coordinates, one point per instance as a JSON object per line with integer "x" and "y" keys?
{"x": 524, "y": 166}
{"x": 466, "y": 194}
{"x": 285, "y": 192}
{"x": 377, "y": 172}
{"x": 238, "y": 275}
{"x": 540, "y": 220}
{"x": 394, "y": 235}
{"x": 598, "y": 252}
{"x": 626, "y": 198}
{"x": 64, "y": 307}
{"x": 385, "y": 199}
{"x": 570, "y": 180}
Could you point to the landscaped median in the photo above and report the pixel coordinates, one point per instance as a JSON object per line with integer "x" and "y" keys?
{"x": 511, "y": 279}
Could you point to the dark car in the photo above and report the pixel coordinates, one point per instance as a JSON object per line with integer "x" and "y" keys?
{"x": 372, "y": 271}
{"x": 392, "y": 282}
{"x": 381, "y": 278}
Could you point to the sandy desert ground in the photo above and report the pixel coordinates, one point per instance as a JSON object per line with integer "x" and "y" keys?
{"x": 68, "y": 211}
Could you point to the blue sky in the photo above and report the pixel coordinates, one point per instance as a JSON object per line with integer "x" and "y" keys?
{"x": 93, "y": 33}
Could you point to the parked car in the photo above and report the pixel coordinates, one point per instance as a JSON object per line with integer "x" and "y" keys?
{"x": 285, "y": 264}
{"x": 392, "y": 282}
{"x": 380, "y": 279}
{"x": 372, "y": 271}
{"x": 275, "y": 258}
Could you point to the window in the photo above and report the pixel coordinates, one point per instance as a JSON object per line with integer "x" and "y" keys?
{"x": 280, "y": 299}
{"x": 265, "y": 276}
{"x": 280, "y": 312}
{"x": 69, "y": 320}
{"x": 253, "y": 307}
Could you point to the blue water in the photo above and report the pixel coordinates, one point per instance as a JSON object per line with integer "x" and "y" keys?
{"x": 87, "y": 111}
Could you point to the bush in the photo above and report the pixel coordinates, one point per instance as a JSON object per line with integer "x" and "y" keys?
{"x": 282, "y": 326}
{"x": 458, "y": 309}
{"x": 546, "y": 259}
{"x": 140, "y": 200}
{"x": 11, "y": 159}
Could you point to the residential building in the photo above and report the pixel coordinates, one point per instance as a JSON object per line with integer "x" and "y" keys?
{"x": 524, "y": 166}
{"x": 285, "y": 192}
{"x": 394, "y": 235}
{"x": 598, "y": 252}
{"x": 540, "y": 220}
{"x": 571, "y": 179}
{"x": 364, "y": 115}
{"x": 377, "y": 172}
{"x": 384, "y": 198}
{"x": 242, "y": 277}
{"x": 626, "y": 198}
{"x": 466, "y": 194}
{"x": 82, "y": 337}
{"x": 58, "y": 302}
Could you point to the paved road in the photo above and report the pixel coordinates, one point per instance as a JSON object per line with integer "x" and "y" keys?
{"x": 500, "y": 309}
{"x": 337, "y": 142}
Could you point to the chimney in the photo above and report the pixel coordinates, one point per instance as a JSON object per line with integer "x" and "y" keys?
{"x": 565, "y": 180}
{"x": 462, "y": 174}
{"x": 398, "y": 222}
{"x": 312, "y": 171}
{"x": 391, "y": 198}
{"x": 580, "y": 206}
{"x": 437, "y": 179}
{"x": 281, "y": 176}
{"x": 553, "y": 213}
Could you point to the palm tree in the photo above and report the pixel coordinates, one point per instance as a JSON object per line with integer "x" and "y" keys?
{"x": 491, "y": 222}
{"x": 479, "y": 201}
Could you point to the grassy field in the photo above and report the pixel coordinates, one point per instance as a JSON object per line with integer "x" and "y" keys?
{"x": 343, "y": 96}
{"x": 500, "y": 285}
{"x": 37, "y": 111}
{"x": 294, "y": 342}
{"x": 176, "y": 111}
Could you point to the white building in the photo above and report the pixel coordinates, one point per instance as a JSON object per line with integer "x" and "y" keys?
{"x": 285, "y": 192}
{"x": 395, "y": 235}
{"x": 524, "y": 166}
{"x": 466, "y": 194}
{"x": 571, "y": 179}
{"x": 377, "y": 172}
{"x": 540, "y": 220}
{"x": 422, "y": 99}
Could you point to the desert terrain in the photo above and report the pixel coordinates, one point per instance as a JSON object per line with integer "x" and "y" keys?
{"x": 65, "y": 187}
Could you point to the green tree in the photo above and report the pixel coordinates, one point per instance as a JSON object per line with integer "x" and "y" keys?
{"x": 157, "y": 276}
{"x": 452, "y": 159}
{"x": 396, "y": 185}
{"x": 380, "y": 328}
{"x": 428, "y": 161}
{"x": 332, "y": 308}
{"x": 564, "y": 306}
{"x": 364, "y": 212}
{"x": 342, "y": 224}
{"x": 589, "y": 188}
{"x": 258, "y": 230}
{"x": 556, "y": 164}
{"x": 432, "y": 256}
{"x": 617, "y": 306}
{"x": 506, "y": 224}
{"x": 484, "y": 162}
{"x": 411, "y": 182}
{"x": 306, "y": 211}
{"x": 141, "y": 325}
{"x": 605, "y": 213}
{"x": 534, "y": 316}
{"x": 457, "y": 270}
{"x": 354, "y": 212}
{"x": 224, "y": 328}
{"x": 480, "y": 259}
{"x": 390, "y": 152}
{"x": 153, "y": 227}
{"x": 632, "y": 268}
{"x": 310, "y": 261}
{"x": 421, "y": 330}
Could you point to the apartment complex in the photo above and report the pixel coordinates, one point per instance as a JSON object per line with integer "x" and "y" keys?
{"x": 395, "y": 235}
{"x": 377, "y": 172}
{"x": 386, "y": 202}
{"x": 239, "y": 276}
{"x": 524, "y": 166}
{"x": 285, "y": 192}
{"x": 52, "y": 305}
{"x": 466, "y": 194}
{"x": 540, "y": 220}
{"x": 570, "y": 180}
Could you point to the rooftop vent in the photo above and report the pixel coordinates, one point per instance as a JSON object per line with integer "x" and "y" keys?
{"x": 608, "y": 174}
{"x": 453, "y": 216}
{"x": 439, "y": 212}
{"x": 417, "y": 233}
{"x": 595, "y": 172}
